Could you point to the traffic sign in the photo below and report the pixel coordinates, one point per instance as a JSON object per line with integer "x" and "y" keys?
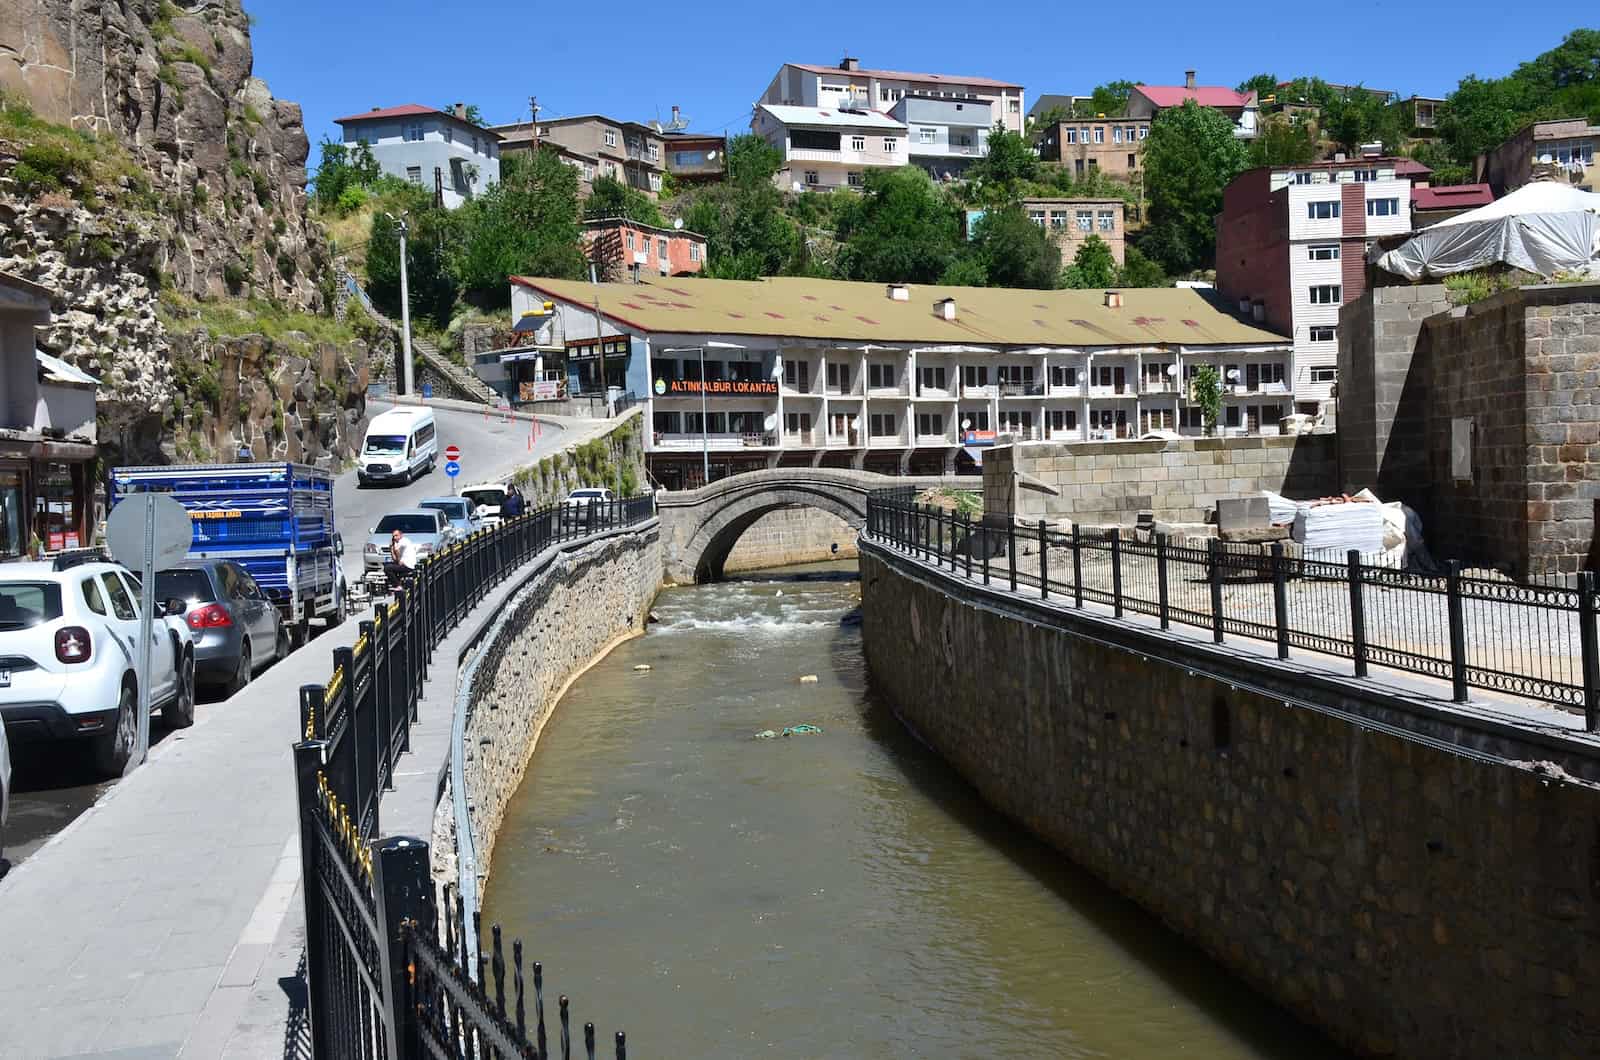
{"x": 427, "y": 391}
{"x": 452, "y": 468}
{"x": 451, "y": 453}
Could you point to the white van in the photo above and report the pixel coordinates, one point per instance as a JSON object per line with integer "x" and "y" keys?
{"x": 400, "y": 445}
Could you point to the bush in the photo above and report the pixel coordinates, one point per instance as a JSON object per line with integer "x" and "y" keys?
{"x": 286, "y": 267}
{"x": 350, "y": 200}
{"x": 234, "y": 275}
{"x": 51, "y": 166}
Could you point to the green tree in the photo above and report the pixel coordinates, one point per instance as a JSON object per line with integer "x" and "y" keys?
{"x": 1139, "y": 271}
{"x": 1189, "y": 158}
{"x": 1008, "y": 162}
{"x": 1110, "y": 99}
{"x": 527, "y": 225}
{"x": 1436, "y": 156}
{"x": 342, "y": 168}
{"x": 751, "y": 160}
{"x": 1354, "y": 117}
{"x": 1283, "y": 142}
{"x": 1563, "y": 82}
{"x": 612, "y": 198}
{"x": 1006, "y": 250}
{"x": 1092, "y": 266}
{"x": 474, "y": 115}
{"x": 1263, "y": 85}
{"x": 902, "y": 229}
{"x": 430, "y": 239}
{"x": 1207, "y": 389}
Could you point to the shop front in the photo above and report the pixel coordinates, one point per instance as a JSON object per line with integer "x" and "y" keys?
{"x": 45, "y": 496}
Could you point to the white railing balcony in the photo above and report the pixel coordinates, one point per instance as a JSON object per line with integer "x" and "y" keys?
{"x": 987, "y": 390}
{"x": 892, "y": 391}
{"x": 1159, "y": 386}
{"x": 1275, "y": 388}
{"x": 935, "y": 439}
{"x": 719, "y": 442}
{"x": 853, "y": 390}
{"x": 1064, "y": 434}
{"x": 810, "y": 389}
{"x": 1112, "y": 391}
{"x": 1013, "y": 435}
{"x": 935, "y": 393}
{"x": 850, "y": 439}
{"x": 897, "y": 440}
{"x": 811, "y": 437}
{"x": 1064, "y": 390}
{"x": 1022, "y": 390}
{"x": 814, "y": 154}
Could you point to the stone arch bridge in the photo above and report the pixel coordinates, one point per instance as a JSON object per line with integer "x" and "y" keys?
{"x": 699, "y": 527}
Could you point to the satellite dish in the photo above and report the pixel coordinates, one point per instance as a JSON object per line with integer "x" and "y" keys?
{"x": 1172, "y": 370}
{"x": 799, "y": 186}
{"x": 777, "y": 367}
{"x": 1233, "y": 375}
{"x": 677, "y": 222}
{"x": 711, "y": 156}
{"x": 966, "y": 425}
{"x": 771, "y": 422}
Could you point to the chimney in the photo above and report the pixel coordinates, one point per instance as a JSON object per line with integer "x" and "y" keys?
{"x": 849, "y": 63}
{"x": 945, "y": 308}
{"x": 674, "y": 115}
{"x": 899, "y": 292}
{"x": 461, "y": 111}
{"x": 1113, "y": 299}
{"x": 1188, "y": 79}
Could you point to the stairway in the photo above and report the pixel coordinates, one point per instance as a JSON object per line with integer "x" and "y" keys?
{"x": 458, "y": 381}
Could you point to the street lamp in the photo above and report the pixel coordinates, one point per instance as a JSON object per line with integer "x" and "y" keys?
{"x": 405, "y": 305}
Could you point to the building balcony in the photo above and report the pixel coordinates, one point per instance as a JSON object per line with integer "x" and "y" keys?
{"x": 818, "y": 154}
{"x": 897, "y": 440}
{"x": 935, "y": 439}
{"x": 1113, "y": 391}
{"x": 720, "y": 442}
{"x": 809, "y": 438}
{"x": 938, "y": 150}
{"x": 898, "y": 390}
{"x": 1021, "y": 390}
{"x": 1160, "y": 386}
{"x": 1064, "y": 434}
{"x": 850, "y": 439}
{"x": 1013, "y": 435}
{"x": 1059, "y": 390}
{"x": 934, "y": 393}
{"x": 987, "y": 390}
{"x": 810, "y": 390}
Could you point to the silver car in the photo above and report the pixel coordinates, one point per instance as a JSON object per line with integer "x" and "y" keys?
{"x": 236, "y": 628}
{"x": 427, "y": 528}
{"x": 461, "y": 513}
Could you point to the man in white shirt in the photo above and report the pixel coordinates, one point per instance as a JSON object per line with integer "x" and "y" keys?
{"x": 402, "y": 558}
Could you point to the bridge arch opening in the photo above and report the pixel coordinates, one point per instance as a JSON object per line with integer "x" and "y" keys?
{"x": 776, "y": 536}
{"x": 714, "y": 540}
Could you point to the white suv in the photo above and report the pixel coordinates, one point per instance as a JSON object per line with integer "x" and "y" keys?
{"x": 69, "y": 653}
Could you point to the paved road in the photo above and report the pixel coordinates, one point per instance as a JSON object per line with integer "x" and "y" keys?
{"x": 53, "y": 785}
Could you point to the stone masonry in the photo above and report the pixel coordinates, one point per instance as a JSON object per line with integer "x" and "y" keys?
{"x": 1179, "y": 480}
{"x": 792, "y": 535}
{"x": 1413, "y": 898}
{"x": 564, "y": 619}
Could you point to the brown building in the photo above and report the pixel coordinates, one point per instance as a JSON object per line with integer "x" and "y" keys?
{"x": 617, "y": 246}
{"x": 696, "y": 157}
{"x": 1563, "y": 149}
{"x": 1069, "y": 222}
{"x": 623, "y": 150}
{"x": 1112, "y": 146}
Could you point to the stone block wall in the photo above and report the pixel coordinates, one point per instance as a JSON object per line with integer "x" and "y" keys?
{"x": 1382, "y": 407}
{"x": 1406, "y": 896}
{"x": 789, "y": 536}
{"x": 1179, "y": 480}
{"x": 551, "y": 630}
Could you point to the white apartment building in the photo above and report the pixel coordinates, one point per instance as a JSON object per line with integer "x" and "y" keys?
{"x": 826, "y": 148}
{"x": 440, "y": 151}
{"x": 803, "y": 372}
{"x": 830, "y": 87}
{"x": 1291, "y": 249}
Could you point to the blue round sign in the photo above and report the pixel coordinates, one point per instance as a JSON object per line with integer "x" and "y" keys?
{"x": 452, "y": 468}
{"x": 427, "y": 391}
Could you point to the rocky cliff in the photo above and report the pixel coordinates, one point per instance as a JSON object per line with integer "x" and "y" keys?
{"x": 145, "y": 174}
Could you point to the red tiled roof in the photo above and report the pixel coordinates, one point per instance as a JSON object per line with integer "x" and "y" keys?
{"x": 405, "y": 110}
{"x": 1406, "y": 167}
{"x": 902, "y": 75}
{"x": 1205, "y": 95}
{"x": 1451, "y": 197}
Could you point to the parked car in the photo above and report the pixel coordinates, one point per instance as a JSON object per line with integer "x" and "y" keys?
{"x": 69, "y": 640}
{"x": 5, "y": 788}
{"x": 426, "y": 527}
{"x": 489, "y": 497}
{"x": 460, "y": 513}
{"x": 237, "y": 631}
{"x": 588, "y": 495}
{"x": 400, "y": 445}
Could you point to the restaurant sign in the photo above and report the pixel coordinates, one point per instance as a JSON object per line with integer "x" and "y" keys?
{"x": 717, "y": 387}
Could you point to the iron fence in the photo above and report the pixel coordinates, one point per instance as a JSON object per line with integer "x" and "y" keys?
{"x": 381, "y": 983}
{"x": 1531, "y": 641}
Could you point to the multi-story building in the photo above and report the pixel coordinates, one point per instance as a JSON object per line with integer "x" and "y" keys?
{"x": 695, "y": 158}
{"x": 622, "y": 150}
{"x": 443, "y": 152}
{"x": 1430, "y": 205}
{"x": 1052, "y": 101}
{"x": 622, "y": 248}
{"x": 1563, "y": 149}
{"x": 800, "y": 372}
{"x": 832, "y": 87}
{"x": 1422, "y": 114}
{"x": 1146, "y": 101}
{"x": 1291, "y": 248}
{"x": 1069, "y": 222}
{"x": 1113, "y": 146}
{"x": 825, "y": 147}
{"x": 944, "y": 135}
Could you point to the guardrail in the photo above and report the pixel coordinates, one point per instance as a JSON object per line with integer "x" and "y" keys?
{"x": 1529, "y": 641}
{"x": 382, "y": 983}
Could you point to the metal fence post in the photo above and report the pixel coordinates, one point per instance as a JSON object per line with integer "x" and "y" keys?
{"x": 966, "y": 541}
{"x": 1161, "y": 580}
{"x": 1214, "y": 554}
{"x": 1077, "y": 568}
{"x": 307, "y": 765}
{"x": 403, "y": 885}
{"x": 1280, "y": 599}
{"x": 1011, "y": 550}
{"x": 986, "y": 546}
{"x": 1044, "y": 562}
{"x": 1591, "y": 650}
{"x": 1116, "y": 571}
{"x": 1358, "y": 613}
{"x": 1458, "y": 633}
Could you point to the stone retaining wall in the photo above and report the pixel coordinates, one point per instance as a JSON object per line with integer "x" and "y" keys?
{"x": 550, "y": 630}
{"x": 792, "y": 535}
{"x": 1416, "y": 897}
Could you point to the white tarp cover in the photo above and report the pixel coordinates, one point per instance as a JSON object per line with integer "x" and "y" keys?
{"x": 1542, "y": 228}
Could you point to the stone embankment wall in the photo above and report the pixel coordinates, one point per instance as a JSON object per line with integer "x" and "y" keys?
{"x": 551, "y": 630}
{"x": 1412, "y": 897}
{"x": 789, "y": 536}
{"x": 1108, "y": 483}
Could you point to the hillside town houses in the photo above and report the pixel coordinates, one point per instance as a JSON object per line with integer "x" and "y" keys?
{"x": 438, "y": 150}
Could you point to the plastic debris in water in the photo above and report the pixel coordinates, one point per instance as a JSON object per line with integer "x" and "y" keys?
{"x": 809, "y": 679}
{"x": 641, "y": 668}
{"x": 792, "y": 730}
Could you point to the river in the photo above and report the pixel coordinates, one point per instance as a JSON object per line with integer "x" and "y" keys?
{"x": 833, "y": 894}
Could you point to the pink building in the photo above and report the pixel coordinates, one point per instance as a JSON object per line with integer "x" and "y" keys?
{"x": 617, "y": 245}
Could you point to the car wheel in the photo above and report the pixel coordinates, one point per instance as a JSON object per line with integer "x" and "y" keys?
{"x": 113, "y": 749}
{"x": 242, "y": 675}
{"x": 179, "y": 714}
{"x": 282, "y": 647}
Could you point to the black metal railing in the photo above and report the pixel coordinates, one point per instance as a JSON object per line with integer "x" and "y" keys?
{"x": 1530, "y": 641}
{"x": 381, "y": 981}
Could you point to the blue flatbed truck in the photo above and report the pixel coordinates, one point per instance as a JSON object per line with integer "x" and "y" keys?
{"x": 274, "y": 519}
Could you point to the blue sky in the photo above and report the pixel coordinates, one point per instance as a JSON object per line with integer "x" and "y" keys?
{"x": 635, "y": 60}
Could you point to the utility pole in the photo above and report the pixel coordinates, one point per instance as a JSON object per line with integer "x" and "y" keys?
{"x": 600, "y": 341}
{"x": 533, "y": 111}
{"x": 405, "y": 308}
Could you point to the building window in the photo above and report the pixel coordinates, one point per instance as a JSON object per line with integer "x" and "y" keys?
{"x": 1037, "y": 217}
{"x": 1099, "y": 134}
{"x": 588, "y": 171}
{"x": 930, "y": 423}
{"x": 414, "y": 174}
{"x": 1058, "y": 218}
{"x": 413, "y": 130}
{"x": 1015, "y": 106}
{"x": 926, "y": 135}
{"x": 978, "y": 419}
{"x": 812, "y": 178}
{"x": 1191, "y": 417}
{"x": 930, "y": 377}
{"x": 449, "y": 135}
{"x": 1116, "y": 134}
{"x": 668, "y": 423}
{"x": 1062, "y": 419}
{"x": 797, "y": 374}
{"x": 611, "y": 138}
{"x": 1366, "y": 176}
{"x": 694, "y": 251}
{"x": 661, "y": 249}
{"x": 1323, "y": 252}
{"x": 1144, "y": 130}
{"x": 1322, "y": 333}
{"x": 1383, "y": 207}
{"x": 1108, "y": 220}
{"x": 1302, "y": 178}
{"x": 889, "y": 145}
{"x": 1322, "y": 211}
{"x": 881, "y": 424}
{"x": 880, "y": 376}
{"x": 1085, "y": 220}
{"x": 974, "y": 375}
{"x": 855, "y": 179}
{"x": 630, "y": 240}
{"x": 797, "y": 422}
{"x": 1231, "y": 418}
{"x": 1325, "y": 374}
{"x": 838, "y": 377}
{"x": 654, "y": 151}
{"x": 858, "y": 143}
{"x": 1133, "y": 162}
{"x": 1325, "y": 294}
{"x": 1069, "y": 135}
